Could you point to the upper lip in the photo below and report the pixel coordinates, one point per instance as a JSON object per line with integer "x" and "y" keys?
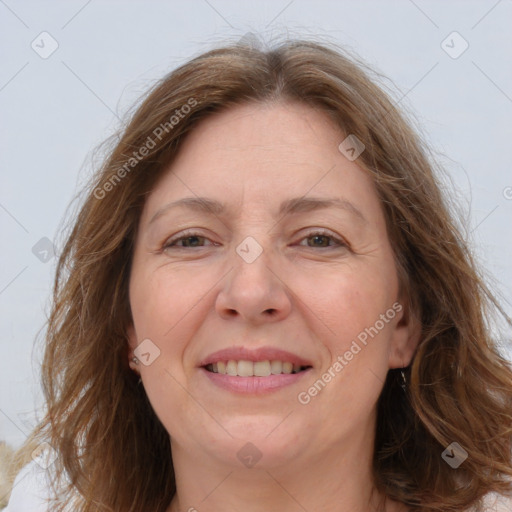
{"x": 258, "y": 354}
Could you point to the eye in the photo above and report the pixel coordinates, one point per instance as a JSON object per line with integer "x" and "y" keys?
{"x": 323, "y": 239}
{"x": 316, "y": 239}
{"x": 186, "y": 241}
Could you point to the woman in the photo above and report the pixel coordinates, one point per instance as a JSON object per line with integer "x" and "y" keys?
{"x": 264, "y": 304}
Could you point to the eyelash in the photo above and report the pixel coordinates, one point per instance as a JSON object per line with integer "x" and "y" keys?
{"x": 192, "y": 234}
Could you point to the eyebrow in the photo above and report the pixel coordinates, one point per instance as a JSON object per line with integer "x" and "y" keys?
{"x": 290, "y": 206}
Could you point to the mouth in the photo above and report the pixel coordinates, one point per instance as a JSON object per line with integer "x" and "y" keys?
{"x": 254, "y": 371}
{"x": 246, "y": 368}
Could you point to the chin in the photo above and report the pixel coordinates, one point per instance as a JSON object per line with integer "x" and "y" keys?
{"x": 261, "y": 442}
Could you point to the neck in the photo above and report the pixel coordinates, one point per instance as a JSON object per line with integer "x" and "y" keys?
{"x": 337, "y": 479}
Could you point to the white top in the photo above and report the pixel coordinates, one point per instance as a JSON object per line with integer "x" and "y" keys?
{"x": 31, "y": 491}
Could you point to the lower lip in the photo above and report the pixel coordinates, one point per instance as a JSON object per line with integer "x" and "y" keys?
{"x": 254, "y": 385}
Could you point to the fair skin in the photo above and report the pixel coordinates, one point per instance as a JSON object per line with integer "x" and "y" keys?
{"x": 306, "y": 293}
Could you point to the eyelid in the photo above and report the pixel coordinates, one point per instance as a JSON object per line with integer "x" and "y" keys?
{"x": 182, "y": 235}
{"x": 340, "y": 241}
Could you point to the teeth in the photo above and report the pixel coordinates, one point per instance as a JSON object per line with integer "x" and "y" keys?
{"x": 245, "y": 368}
{"x": 231, "y": 368}
{"x": 262, "y": 369}
{"x": 287, "y": 367}
{"x": 276, "y": 367}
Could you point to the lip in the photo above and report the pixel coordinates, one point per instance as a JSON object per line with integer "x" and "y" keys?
{"x": 254, "y": 385}
{"x": 254, "y": 355}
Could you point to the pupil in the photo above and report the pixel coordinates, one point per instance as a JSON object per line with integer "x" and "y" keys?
{"x": 319, "y": 237}
{"x": 193, "y": 238}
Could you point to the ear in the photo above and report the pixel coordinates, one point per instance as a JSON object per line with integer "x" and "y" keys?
{"x": 132, "y": 344}
{"x": 405, "y": 336}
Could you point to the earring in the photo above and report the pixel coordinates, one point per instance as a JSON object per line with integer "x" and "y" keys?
{"x": 404, "y": 380}
{"x": 135, "y": 360}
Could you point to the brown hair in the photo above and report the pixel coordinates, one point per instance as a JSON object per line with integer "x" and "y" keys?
{"x": 110, "y": 444}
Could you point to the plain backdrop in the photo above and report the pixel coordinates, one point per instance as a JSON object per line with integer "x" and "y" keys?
{"x": 56, "y": 108}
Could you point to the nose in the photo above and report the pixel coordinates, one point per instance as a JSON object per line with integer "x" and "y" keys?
{"x": 254, "y": 292}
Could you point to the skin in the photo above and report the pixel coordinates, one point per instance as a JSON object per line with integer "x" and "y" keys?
{"x": 199, "y": 296}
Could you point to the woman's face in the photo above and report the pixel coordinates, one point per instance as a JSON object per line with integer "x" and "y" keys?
{"x": 263, "y": 251}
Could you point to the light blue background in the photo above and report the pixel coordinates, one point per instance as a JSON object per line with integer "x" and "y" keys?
{"x": 54, "y": 111}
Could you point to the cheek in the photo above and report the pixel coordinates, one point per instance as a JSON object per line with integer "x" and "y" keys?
{"x": 356, "y": 341}
{"x": 165, "y": 303}
{"x": 345, "y": 302}
{"x": 162, "y": 299}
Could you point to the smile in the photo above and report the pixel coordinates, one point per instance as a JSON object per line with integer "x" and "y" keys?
{"x": 254, "y": 371}
{"x": 244, "y": 368}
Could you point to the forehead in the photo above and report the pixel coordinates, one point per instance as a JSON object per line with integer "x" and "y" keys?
{"x": 257, "y": 154}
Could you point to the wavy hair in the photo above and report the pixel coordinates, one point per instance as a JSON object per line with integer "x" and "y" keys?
{"x": 113, "y": 452}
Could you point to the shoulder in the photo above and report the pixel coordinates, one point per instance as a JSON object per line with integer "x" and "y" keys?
{"x": 497, "y": 503}
{"x": 30, "y": 490}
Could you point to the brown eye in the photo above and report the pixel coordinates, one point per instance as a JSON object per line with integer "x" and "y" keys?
{"x": 187, "y": 241}
{"x": 319, "y": 240}
{"x": 322, "y": 240}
